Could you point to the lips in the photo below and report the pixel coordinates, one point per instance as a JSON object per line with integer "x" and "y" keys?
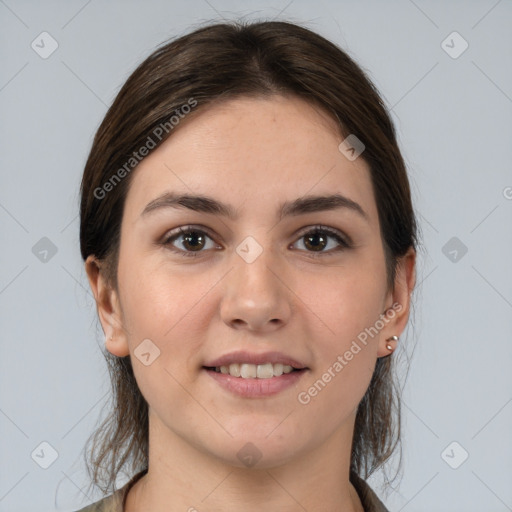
{"x": 252, "y": 375}
{"x": 251, "y": 387}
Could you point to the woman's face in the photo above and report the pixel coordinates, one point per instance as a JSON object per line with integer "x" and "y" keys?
{"x": 247, "y": 280}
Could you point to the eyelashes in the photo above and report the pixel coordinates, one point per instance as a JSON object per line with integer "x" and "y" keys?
{"x": 321, "y": 234}
{"x": 316, "y": 240}
{"x": 189, "y": 233}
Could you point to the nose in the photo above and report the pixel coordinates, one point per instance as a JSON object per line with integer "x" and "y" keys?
{"x": 256, "y": 297}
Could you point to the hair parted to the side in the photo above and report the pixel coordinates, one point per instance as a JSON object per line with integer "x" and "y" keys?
{"x": 215, "y": 63}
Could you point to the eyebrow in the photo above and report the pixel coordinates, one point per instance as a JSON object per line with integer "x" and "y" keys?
{"x": 300, "y": 206}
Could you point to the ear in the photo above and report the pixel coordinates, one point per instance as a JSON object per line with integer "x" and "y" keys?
{"x": 398, "y": 302}
{"x": 108, "y": 307}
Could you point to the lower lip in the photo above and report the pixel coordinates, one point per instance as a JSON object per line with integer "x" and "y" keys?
{"x": 254, "y": 388}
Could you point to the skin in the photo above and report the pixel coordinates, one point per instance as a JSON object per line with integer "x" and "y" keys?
{"x": 252, "y": 154}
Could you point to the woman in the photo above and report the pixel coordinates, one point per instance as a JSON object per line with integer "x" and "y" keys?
{"x": 248, "y": 234}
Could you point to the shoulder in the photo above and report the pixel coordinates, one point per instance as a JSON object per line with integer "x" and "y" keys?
{"x": 369, "y": 500}
{"x": 114, "y": 502}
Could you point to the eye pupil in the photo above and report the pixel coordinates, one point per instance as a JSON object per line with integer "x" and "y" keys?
{"x": 190, "y": 240}
{"x": 315, "y": 237}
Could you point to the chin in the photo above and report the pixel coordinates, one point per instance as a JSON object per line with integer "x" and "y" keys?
{"x": 260, "y": 448}
{"x": 255, "y": 456}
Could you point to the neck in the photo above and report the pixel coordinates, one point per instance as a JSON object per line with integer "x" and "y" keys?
{"x": 184, "y": 478}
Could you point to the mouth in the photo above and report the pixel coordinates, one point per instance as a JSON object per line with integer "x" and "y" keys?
{"x": 255, "y": 375}
{"x": 254, "y": 371}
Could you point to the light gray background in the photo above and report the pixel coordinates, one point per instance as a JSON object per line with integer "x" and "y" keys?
{"x": 453, "y": 117}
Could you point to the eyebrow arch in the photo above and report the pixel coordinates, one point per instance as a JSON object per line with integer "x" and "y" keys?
{"x": 302, "y": 205}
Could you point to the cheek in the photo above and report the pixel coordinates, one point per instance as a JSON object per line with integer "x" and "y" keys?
{"x": 166, "y": 306}
{"x": 167, "y": 309}
{"x": 345, "y": 301}
{"x": 343, "y": 306}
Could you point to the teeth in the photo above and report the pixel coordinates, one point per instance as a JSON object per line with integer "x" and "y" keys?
{"x": 234, "y": 369}
{"x": 278, "y": 369}
{"x": 248, "y": 371}
{"x": 252, "y": 371}
{"x": 264, "y": 371}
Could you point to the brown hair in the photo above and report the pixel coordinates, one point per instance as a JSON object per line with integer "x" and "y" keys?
{"x": 216, "y": 63}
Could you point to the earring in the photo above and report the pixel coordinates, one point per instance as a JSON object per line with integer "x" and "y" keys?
{"x": 392, "y": 338}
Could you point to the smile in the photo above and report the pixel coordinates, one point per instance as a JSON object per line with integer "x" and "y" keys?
{"x": 255, "y": 371}
{"x": 246, "y": 383}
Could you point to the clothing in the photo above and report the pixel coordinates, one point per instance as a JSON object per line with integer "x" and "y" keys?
{"x": 369, "y": 500}
{"x": 115, "y": 502}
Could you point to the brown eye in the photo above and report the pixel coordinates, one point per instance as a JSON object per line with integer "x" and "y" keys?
{"x": 193, "y": 240}
{"x": 315, "y": 241}
{"x": 320, "y": 238}
{"x": 189, "y": 241}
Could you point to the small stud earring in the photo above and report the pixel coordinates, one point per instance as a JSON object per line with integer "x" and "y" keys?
{"x": 392, "y": 338}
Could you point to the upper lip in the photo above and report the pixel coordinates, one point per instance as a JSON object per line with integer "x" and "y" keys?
{"x": 242, "y": 356}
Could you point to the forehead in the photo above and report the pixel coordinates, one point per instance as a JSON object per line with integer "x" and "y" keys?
{"x": 252, "y": 152}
